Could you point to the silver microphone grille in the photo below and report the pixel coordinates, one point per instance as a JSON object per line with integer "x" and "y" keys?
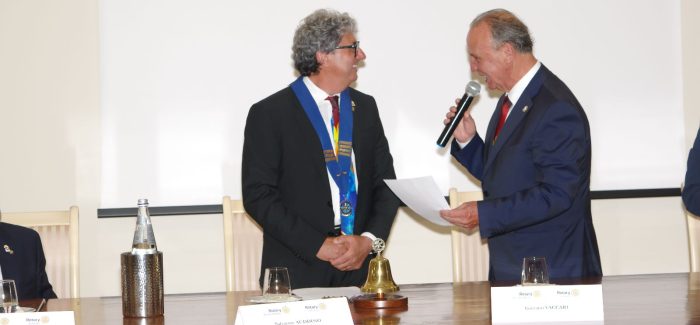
{"x": 473, "y": 88}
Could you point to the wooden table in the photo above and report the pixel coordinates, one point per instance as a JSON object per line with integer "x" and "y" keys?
{"x": 634, "y": 299}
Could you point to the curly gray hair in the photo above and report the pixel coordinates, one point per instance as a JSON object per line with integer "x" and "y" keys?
{"x": 506, "y": 28}
{"x": 322, "y": 30}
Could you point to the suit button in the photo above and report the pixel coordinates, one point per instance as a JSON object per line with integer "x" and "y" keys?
{"x": 486, "y": 193}
{"x": 330, "y": 205}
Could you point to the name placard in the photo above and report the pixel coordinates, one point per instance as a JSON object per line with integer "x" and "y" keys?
{"x": 552, "y": 303}
{"x": 41, "y": 318}
{"x": 334, "y": 311}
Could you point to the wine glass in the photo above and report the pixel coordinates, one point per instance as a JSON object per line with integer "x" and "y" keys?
{"x": 9, "y": 296}
{"x": 534, "y": 271}
{"x": 276, "y": 284}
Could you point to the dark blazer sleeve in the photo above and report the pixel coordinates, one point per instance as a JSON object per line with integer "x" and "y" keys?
{"x": 471, "y": 156}
{"x": 375, "y": 164}
{"x": 44, "y": 288}
{"x": 559, "y": 156}
{"x": 262, "y": 167}
{"x": 691, "y": 189}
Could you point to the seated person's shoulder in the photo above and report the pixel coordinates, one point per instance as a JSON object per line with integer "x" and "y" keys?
{"x": 18, "y": 232}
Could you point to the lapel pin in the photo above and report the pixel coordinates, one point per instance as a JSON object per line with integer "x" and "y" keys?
{"x": 8, "y": 249}
{"x": 353, "y": 105}
{"x": 525, "y": 109}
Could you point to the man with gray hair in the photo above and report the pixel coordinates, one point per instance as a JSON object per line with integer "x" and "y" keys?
{"x": 534, "y": 162}
{"x": 314, "y": 160}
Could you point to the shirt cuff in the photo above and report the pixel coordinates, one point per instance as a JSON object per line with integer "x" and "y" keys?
{"x": 463, "y": 144}
{"x": 369, "y": 235}
{"x": 372, "y": 237}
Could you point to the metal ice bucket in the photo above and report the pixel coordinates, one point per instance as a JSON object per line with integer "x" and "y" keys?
{"x": 142, "y": 284}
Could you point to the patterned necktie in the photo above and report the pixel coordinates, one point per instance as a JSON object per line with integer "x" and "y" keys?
{"x": 504, "y": 113}
{"x": 335, "y": 121}
{"x": 348, "y": 199}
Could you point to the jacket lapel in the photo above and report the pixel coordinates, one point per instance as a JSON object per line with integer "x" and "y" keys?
{"x": 312, "y": 142}
{"x": 8, "y": 259}
{"x": 515, "y": 118}
{"x": 491, "y": 129}
{"x": 356, "y": 145}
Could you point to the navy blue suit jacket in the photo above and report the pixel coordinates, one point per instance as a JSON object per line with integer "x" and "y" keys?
{"x": 536, "y": 179}
{"x": 22, "y": 259}
{"x": 286, "y": 189}
{"x": 691, "y": 189}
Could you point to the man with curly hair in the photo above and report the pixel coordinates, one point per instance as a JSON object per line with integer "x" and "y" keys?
{"x": 314, "y": 160}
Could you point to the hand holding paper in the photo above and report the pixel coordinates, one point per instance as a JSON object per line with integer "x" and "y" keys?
{"x": 422, "y": 196}
{"x": 466, "y": 215}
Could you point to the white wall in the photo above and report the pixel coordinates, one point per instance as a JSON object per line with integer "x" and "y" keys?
{"x": 691, "y": 67}
{"x": 50, "y": 116}
{"x": 51, "y": 157}
{"x": 179, "y": 77}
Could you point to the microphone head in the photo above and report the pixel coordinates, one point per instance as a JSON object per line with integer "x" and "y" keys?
{"x": 473, "y": 88}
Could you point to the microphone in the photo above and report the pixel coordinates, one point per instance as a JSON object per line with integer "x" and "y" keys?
{"x": 473, "y": 89}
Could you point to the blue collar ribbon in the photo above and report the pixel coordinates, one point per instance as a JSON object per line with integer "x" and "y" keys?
{"x": 339, "y": 167}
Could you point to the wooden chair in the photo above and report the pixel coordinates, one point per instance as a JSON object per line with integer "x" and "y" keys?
{"x": 470, "y": 253}
{"x": 693, "y": 222}
{"x": 59, "y": 236}
{"x": 243, "y": 241}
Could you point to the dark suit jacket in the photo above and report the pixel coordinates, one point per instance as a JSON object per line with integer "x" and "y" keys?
{"x": 691, "y": 189}
{"x": 25, "y": 262}
{"x": 286, "y": 188}
{"x": 536, "y": 180}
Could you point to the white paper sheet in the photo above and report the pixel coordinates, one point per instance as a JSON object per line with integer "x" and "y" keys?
{"x": 43, "y": 318}
{"x": 554, "y": 304}
{"x": 422, "y": 195}
{"x": 333, "y": 311}
{"x": 321, "y": 293}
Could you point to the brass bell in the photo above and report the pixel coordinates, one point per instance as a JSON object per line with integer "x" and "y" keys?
{"x": 379, "y": 279}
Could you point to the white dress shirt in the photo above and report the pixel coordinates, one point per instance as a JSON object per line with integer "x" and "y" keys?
{"x": 324, "y": 106}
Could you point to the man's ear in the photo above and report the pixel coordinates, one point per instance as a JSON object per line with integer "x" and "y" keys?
{"x": 509, "y": 51}
{"x": 321, "y": 58}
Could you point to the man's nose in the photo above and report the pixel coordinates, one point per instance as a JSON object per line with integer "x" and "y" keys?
{"x": 361, "y": 55}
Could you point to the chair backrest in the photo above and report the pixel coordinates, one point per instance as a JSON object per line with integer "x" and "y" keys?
{"x": 59, "y": 232}
{"x": 470, "y": 253}
{"x": 693, "y": 240}
{"x": 243, "y": 241}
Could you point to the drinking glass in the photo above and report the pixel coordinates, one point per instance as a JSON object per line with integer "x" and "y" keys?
{"x": 276, "y": 284}
{"x": 534, "y": 271}
{"x": 9, "y": 296}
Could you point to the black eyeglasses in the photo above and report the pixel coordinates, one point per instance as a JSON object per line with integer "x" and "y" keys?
{"x": 355, "y": 45}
